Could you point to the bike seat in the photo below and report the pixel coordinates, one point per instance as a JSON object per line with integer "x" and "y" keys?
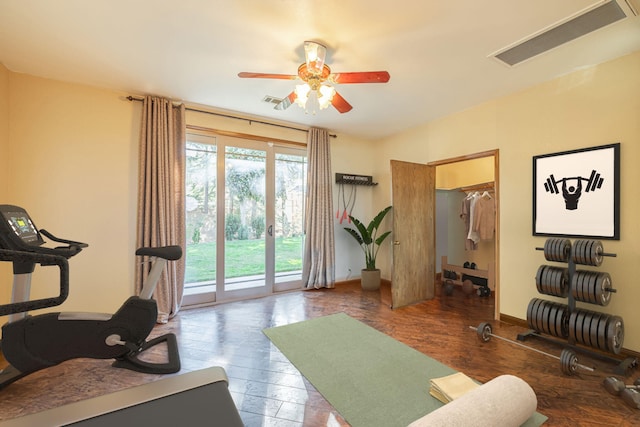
{"x": 170, "y": 253}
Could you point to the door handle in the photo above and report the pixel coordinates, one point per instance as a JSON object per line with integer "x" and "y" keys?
{"x": 270, "y": 230}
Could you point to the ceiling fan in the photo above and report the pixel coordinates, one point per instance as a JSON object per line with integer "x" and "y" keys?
{"x": 316, "y": 92}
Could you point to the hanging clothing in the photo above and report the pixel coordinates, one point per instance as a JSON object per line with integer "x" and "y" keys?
{"x": 473, "y": 233}
{"x": 465, "y": 215}
{"x": 484, "y": 216}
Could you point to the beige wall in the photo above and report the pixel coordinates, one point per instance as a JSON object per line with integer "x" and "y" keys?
{"x": 4, "y": 128}
{"x": 465, "y": 173}
{"x": 72, "y": 165}
{"x": 5, "y": 267}
{"x": 591, "y": 107}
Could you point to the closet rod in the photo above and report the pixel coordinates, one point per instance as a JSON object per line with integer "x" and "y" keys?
{"x": 229, "y": 116}
{"x": 477, "y": 187}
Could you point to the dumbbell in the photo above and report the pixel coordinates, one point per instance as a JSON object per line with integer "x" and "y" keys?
{"x": 630, "y": 393}
{"x": 593, "y": 182}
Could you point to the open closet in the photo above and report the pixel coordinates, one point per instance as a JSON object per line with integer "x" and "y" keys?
{"x": 467, "y": 223}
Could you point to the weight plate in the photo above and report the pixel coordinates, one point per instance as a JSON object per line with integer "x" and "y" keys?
{"x": 558, "y": 250}
{"x": 566, "y": 250}
{"x": 602, "y": 332}
{"x": 577, "y": 251}
{"x": 586, "y": 330}
{"x": 589, "y": 287}
{"x": 540, "y": 315}
{"x": 564, "y": 321}
{"x": 603, "y": 288}
{"x": 579, "y": 326}
{"x": 593, "y": 330}
{"x": 547, "y": 249}
{"x": 484, "y": 331}
{"x": 580, "y": 285}
{"x": 539, "y": 274}
{"x": 533, "y": 324}
{"x": 545, "y": 279}
{"x": 586, "y": 316}
{"x": 573, "y": 319}
{"x": 590, "y": 323}
{"x": 546, "y": 311}
{"x": 586, "y": 277}
{"x": 615, "y": 334}
{"x": 574, "y": 285}
{"x": 536, "y": 316}
{"x": 557, "y": 320}
{"x": 564, "y": 283}
{"x": 553, "y": 319}
{"x": 530, "y": 313}
{"x": 553, "y": 311}
{"x": 595, "y": 254}
{"x": 583, "y": 252}
{"x": 586, "y": 251}
{"x": 568, "y": 362}
{"x": 554, "y": 249}
{"x": 594, "y": 288}
{"x": 553, "y": 273}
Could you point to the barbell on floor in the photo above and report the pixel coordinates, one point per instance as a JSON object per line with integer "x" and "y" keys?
{"x": 568, "y": 359}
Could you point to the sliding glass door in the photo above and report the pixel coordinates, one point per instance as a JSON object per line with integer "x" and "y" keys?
{"x": 245, "y": 205}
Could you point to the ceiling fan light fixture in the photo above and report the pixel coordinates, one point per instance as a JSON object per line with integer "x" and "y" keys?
{"x": 312, "y": 100}
{"x": 326, "y": 95}
{"x": 315, "y": 54}
{"x": 302, "y": 94}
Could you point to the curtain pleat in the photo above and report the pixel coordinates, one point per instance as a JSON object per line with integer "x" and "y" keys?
{"x": 318, "y": 268}
{"x": 161, "y": 197}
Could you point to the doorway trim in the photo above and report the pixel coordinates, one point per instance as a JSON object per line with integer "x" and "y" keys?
{"x": 496, "y": 242}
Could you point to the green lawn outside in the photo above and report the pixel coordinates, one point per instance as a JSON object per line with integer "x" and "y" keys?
{"x": 243, "y": 258}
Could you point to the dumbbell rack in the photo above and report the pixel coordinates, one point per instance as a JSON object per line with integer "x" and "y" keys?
{"x": 577, "y": 326}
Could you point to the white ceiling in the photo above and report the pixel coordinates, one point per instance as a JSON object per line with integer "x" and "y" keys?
{"x": 437, "y": 52}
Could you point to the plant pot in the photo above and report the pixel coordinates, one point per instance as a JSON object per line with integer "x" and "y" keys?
{"x": 370, "y": 279}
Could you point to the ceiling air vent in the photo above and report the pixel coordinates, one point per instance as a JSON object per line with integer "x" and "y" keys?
{"x": 577, "y": 26}
{"x": 271, "y": 99}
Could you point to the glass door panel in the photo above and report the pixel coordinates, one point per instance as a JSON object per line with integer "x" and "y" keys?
{"x": 244, "y": 218}
{"x": 290, "y": 185}
{"x": 201, "y": 215}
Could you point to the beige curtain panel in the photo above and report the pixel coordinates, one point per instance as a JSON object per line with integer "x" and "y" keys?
{"x": 161, "y": 196}
{"x": 318, "y": 266}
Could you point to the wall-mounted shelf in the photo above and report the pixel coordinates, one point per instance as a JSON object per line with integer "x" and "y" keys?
{"x": 348, "y": 178}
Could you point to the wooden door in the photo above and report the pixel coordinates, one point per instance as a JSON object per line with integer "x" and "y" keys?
{"x": 413, "y": 198}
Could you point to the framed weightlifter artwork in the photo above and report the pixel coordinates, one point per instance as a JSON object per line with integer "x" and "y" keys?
{"x": 577, "y": 193}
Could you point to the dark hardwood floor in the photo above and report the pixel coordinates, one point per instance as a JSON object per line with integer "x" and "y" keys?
{"x": 269, "y": 391}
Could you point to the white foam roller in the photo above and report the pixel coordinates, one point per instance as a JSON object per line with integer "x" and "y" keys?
{"x": 502, "y": 402}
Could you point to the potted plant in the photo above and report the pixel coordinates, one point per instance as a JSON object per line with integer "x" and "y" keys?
{"x": 369, "y": 241}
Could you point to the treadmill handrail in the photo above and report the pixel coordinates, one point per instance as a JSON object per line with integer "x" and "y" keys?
{"x": 42, "y": 259}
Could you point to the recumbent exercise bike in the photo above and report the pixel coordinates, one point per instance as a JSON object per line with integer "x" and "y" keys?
{"x": 30, "y": 343}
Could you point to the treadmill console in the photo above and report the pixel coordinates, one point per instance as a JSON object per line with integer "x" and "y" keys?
{"x": 17, "y": 231}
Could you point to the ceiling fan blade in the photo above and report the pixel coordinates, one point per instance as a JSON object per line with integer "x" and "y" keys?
{"x": 286, "y": 102}
{"x": 247, "y": 75}
{"x": 340, "y": 104}
{"x": 360, "y": 77}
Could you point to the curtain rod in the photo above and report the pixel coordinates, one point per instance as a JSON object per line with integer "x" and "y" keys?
{"x": 228, "y": 116}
